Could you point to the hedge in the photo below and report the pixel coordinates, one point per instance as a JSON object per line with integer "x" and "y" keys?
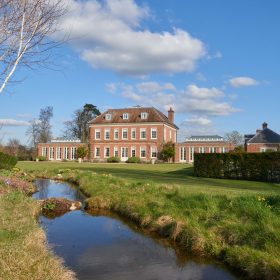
{"x": 246, "y": 166}
{"x": 7, "y": 161}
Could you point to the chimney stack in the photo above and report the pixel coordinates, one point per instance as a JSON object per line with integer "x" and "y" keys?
{"x": 264, "y": 125}
{"x": 171, "y": 115}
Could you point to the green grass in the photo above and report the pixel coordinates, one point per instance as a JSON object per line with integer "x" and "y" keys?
{"x": 236, "y": 222}
{"x": 23, "y": 250}
{"x": 175, "y": 174}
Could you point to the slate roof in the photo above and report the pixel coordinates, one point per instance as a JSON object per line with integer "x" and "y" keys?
{"x": 154, "y": 116}
{"x": 265, "y": 136}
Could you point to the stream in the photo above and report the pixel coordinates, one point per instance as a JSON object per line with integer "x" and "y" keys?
{"x": 105, "y": 247}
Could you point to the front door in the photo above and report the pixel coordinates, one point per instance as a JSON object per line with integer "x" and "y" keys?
{"x": 124, "y": 154}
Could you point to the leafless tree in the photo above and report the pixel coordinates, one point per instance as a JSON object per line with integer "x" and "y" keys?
{"x": 25, "y": 30}
{"x": 39, "y": 130}
{"x": 12, "y": 147}
{"x": 235, "y": 138}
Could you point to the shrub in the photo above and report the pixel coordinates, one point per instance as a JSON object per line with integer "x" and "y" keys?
{"x": 246, "y": 166}
{"x": 41, "y": 158}
{"x": 82, "y": 152}
{"x": 7, "y": 161}
{"x": 113, "y": 159}
{"x": 168, "y": 151}
{"x": 133, "y": 160}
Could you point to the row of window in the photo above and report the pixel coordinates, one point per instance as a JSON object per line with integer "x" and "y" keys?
{"x": 201, "y": 150}
{"x": 123, "y": 152}
{"x": 61, "y": 153}
{"x": 125, "y": 116}
{"x": 124, "y": 133}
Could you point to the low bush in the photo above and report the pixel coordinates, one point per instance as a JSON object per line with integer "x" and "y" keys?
{"x": 133, "y": 160}
{"x": 41, "y": 158}
{"x": 7, "y": 161}
{"x": 113, "y": 159}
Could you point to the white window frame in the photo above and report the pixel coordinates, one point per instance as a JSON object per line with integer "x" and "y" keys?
{"x": 145, "y": 150}
{"x": 202, "y": 150}
{"x": 192, "y": 150}
{"x": 95, "y": 152}
{"x": 51, "y": 152}
{"x": 66, "y": 153}
{"x": 125, "y": 130}
{"x": 133, "y": 130}
{"x": 45, "y": 152}
{"x": 125, "y": 116}
{"x": 116, "y": 130}
{"x": 131, "y": 151}
{"x": 213, "y": 150}
{"x": 116, "y": 152}
{"x": 73, "y": 153}
{"x": 107, "y": 133}
{"x": 183, "y": 153}
{"x": 141, "y": 131}
{"x": 58, "y": 153}
{"x": 106, "y": 149}
{"x": 153, "y": 129}
{"x": 95, "y": 134}
{"x": 153, "y": 150}
{"x": 124, "y": 152}
{"x": 108, "y": 117}
{"x": 144, "y": 115}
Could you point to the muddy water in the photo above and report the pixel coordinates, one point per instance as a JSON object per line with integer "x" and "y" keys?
{"x": 103, "y": 247}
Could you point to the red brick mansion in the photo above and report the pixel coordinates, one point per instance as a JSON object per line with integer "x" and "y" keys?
{"x": 134, "y": 132}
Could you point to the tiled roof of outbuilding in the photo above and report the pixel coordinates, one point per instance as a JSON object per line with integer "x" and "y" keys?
{"x": 265, "y": 136}
{"x": 134, "y": 116}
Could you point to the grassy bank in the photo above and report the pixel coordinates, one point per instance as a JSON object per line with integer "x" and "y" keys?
{"x": 23, "y": 250}
{"x": 241, "y": 230}
{"x": 175, "y": 174}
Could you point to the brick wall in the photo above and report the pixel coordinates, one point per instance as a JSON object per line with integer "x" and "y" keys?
{"x": 102, "y": 147}
{"x": 257, "y": 148}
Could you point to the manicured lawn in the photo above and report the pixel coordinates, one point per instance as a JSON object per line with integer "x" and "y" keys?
{"x": 175, "y": 174}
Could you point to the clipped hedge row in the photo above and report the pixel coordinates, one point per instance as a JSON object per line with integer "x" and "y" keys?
{"x": 7, "y": 161}
{"x": 246, "y": 166}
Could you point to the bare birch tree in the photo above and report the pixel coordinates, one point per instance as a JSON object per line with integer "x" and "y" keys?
{"x": 25, "y": 30}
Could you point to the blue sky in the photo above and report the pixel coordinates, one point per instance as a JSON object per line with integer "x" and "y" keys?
{"x": 216, "y": 62}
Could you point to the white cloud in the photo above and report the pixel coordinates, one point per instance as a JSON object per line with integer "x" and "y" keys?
{"x": 243, "y": 82}
{"x": 197, "y": 121}
{"x": 12, "y": 122}
{"x": 194, "y": 100}
{"x": 108, "y": 35}
{"x": 198, "y": 92}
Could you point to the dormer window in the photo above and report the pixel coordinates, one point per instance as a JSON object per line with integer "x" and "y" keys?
{"x": 144, "y": 116}
{"x": 125, "y": 116}
{"x": 108, "y": 117}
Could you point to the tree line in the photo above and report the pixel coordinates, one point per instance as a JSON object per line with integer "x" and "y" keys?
{"x": 40, "y": 131}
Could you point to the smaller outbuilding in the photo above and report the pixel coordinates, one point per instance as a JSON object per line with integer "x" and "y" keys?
{"x": 184, "y": 152}
{"x": 60, "y": 149}
{"x": 264, "y": 140}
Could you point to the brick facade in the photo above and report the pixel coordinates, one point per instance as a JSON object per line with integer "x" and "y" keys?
{"x": 126, "y": 140}
{"x": 261, "y": 147}
{"x": 124, "y": 133}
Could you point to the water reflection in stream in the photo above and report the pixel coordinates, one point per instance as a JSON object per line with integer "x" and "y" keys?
{"x": 102, "y": 247}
